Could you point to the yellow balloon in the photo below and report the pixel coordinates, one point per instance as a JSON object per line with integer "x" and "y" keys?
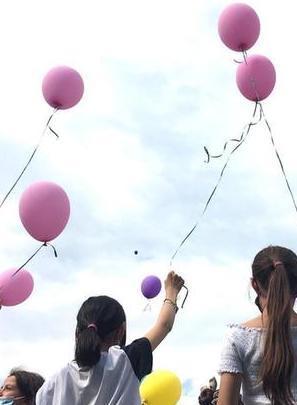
{"x": 161, "y": 387}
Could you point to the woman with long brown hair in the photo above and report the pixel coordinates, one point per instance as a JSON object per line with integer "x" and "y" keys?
{"x": 20, "y": 387}
{"x": 261, "y": 354}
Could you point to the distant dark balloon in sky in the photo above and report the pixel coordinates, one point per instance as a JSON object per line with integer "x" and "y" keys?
{"x": 136, "y": 252}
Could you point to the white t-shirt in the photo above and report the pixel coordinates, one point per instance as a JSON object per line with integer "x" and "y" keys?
{"x": 114, "y": 380}
{"x": 242, "y": 353}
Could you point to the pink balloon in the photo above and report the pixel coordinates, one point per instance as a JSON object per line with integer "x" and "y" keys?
{"x": 239, "y": 26}
{"x": 256, "y": 78}
{"x": 62, "y": 87}
{"x": 15, "y": 289}
{"x": 44, "y": 210}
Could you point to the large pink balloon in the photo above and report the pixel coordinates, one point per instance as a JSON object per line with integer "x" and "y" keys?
{"x": 44, "y": 210}
{"x": 62, "y": 87}
{"x": 15, "y": 289}
{"x": 256, "y": 78}
{"x": 239, "y": 26}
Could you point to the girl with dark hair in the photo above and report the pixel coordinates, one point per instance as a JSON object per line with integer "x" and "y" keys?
{"x": 261, "y": 354}
{"x": 20, "y": 388}
{"x": 105, "y": 371}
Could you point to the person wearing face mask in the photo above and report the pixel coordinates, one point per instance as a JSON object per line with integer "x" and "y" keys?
{"x": 20, "y": 388}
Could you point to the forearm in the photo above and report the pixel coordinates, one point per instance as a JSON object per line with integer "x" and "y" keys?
{"x": 167, "y": 313}
{"x": 164, "y": 321}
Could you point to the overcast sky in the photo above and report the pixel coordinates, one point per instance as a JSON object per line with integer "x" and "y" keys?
{"x": 159, "y": 85}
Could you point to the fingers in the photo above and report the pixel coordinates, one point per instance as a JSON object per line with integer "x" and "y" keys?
{"x": 175, "y": 279}
{"x": 179, "y": 282}
{"x": 169, "y": 277}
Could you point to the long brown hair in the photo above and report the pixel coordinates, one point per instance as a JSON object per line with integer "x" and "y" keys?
{"x": 275, "y": 271}
{"x": 28, "y": 383}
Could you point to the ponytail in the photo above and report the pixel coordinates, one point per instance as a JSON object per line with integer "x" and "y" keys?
{"x": 278, "y": 355}
{"x": 97, "y": 319}
{"x": 88, "y": 347}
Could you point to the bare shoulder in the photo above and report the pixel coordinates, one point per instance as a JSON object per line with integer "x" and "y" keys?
{"x": 261, "y": 322}
{"x": 254, "y": 323}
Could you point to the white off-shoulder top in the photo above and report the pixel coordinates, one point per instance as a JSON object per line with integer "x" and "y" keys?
{"x": 242, "y": 353}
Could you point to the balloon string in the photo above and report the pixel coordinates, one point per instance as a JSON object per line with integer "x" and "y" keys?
{"x": 23, "y": 265}
{"x": 186, "y": 296}
{"x": 278, "y": 158}
{"x": 33, "y": 255}
{"x": 238, "y": 140}
{"x": 253, "y": 84}
{"x": 246, "y": 131}
{"x": 47, "y": 126}
{"x": 147, "y": 307}
{"x": 244, "y": 54}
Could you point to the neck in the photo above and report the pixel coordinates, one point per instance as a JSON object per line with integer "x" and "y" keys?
{"x": 106, "y": 345}
{"x": 264, "y": 317}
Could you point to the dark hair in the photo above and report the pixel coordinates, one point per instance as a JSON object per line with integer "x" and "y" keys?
{"x": 207, "y": 392}
{"x": 28, "y": 383}
{"x": 206, "y": 396}
{"x": 275, "y": 271}
{"x": 97, "y": 318}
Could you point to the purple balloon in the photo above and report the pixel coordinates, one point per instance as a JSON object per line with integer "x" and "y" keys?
{"x": 239, "y": 26}
{"x": 62, "y": 87}
{"x": 151, "y": 286}
{"x": 256, "y": 78}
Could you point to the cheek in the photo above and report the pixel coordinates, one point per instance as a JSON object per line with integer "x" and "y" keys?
{"x": 11, "y": 393}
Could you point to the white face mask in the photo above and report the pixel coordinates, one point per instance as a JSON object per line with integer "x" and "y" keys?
{"x": 9, "y": 400}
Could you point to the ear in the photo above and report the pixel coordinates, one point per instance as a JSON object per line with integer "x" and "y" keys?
{"x": 121, "y": 334}
{"x": 255, "y": 285}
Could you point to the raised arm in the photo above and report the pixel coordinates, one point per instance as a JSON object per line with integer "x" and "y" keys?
{"x": 165, "y": 321}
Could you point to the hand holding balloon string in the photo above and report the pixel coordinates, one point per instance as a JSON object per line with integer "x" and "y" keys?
{"x": 151, "y": 287}
{"x": 173, "y": 285}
